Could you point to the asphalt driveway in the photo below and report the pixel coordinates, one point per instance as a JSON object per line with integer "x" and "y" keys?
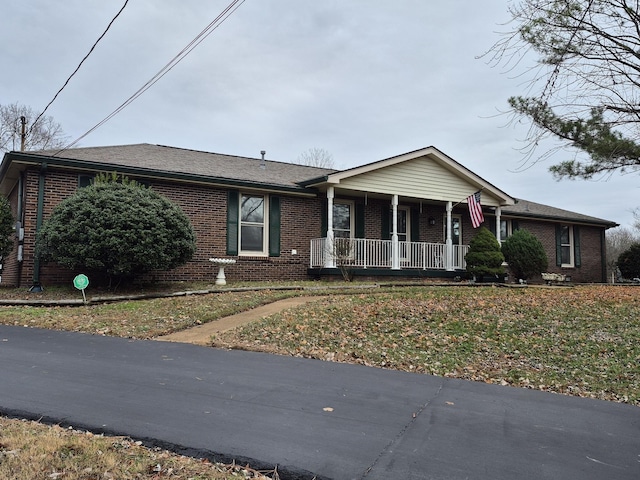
{"x": 311, "y": 417}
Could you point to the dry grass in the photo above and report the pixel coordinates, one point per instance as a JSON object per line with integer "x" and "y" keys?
{"x": 142, "y": 319}
{"x": 32, "y": 451}
{"x": 581, "y": 341}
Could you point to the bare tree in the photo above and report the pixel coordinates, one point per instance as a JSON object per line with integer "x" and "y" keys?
{"x": 636, "y": 219}
{"x": 585, "y": 89}
{"x": 45, "y": 134}
{"x": 618, "y": 240}
{"x": 316, "y": 157}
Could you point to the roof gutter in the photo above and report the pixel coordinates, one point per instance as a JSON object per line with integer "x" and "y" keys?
{"x": 582, "y": 221}
{"x": 86, "y": 165}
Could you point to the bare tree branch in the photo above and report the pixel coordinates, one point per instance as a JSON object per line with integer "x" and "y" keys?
{"x": 316, "y": 157}
{"x": 46, "y": 134}
{"x": 585, "y": 88}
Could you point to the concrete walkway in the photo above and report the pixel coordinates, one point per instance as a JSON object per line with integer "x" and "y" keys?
{"x": 201, "y": 335}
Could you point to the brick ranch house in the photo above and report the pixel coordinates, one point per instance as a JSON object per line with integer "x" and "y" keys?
{"x": 405, "y": 216}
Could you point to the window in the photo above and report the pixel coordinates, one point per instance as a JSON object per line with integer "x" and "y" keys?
{"x": 404, "y": 228}
{"x": 568, "y": 246}
{"x": 342, "y": 220}
{"x": 456, "y": 229}
{"x": 85, "y": 180}
{"x": 253, "y": 224}
{"x": 505, "y": 229}
{"x": 566, "y": 242}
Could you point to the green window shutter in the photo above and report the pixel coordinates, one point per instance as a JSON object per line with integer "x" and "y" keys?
{"x": 324, "y": 220}
{"x": 385, "y": 233}
{"x": 559, "y": 245}
{"x": 515, "y": 226}
{"x": 233, "y": 216}
{"x": 359, "y": 233}
{"x": 274, "y": 226}
{"x": 415, "y": 224}
{"x": 576, "y": 246}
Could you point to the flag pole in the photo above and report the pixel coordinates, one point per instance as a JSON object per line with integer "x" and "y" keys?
{"x": 477, "y": 191}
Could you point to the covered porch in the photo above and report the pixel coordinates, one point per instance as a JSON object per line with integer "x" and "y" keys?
{"x": 403, "y": 216}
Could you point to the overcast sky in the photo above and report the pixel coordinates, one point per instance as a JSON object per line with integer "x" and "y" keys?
{"x": 363, "y": 79}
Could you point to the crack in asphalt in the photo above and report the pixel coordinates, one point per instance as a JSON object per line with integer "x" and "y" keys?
{"x": 403, "y": 430}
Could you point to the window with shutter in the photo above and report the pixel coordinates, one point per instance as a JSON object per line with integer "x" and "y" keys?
{"x": 253, "y": 224}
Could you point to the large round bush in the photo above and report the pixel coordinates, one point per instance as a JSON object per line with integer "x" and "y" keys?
{"x": 629, "y": 262}
{"x": 122, "y": 229}
{"x": 525, "y": 255}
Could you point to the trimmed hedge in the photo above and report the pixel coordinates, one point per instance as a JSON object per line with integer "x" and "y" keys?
{"x": 119, "y": 228}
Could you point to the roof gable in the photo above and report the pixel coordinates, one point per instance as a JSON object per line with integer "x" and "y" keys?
{"x": 427, "y": 174}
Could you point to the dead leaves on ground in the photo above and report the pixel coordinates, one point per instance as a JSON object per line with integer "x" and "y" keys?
{"x": 581, "y": 341}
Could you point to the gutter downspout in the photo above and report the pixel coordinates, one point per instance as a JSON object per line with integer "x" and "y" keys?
{"x": 603, "y": 255}
{"x": 36, "y": 287}
{"x": 20, "y": 226}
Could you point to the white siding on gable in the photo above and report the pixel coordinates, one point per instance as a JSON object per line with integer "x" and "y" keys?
{"x": 422, "y": 178}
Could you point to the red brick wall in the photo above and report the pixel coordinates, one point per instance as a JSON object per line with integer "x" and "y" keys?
{"x": 206, "y": 209}
{"x": 300, "y": 222}
{"x": 590, "y": 270}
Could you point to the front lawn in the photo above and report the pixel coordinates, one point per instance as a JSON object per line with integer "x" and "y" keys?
{"x": 142, "y": 319}
{"x": 581, "y": 341}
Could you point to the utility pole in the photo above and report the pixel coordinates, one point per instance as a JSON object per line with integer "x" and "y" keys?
{"x": 23, "y": 134}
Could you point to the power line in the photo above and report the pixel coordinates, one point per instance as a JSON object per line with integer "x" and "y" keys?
{"x": 78, "y": 67}
{"x": 224, "y": 15}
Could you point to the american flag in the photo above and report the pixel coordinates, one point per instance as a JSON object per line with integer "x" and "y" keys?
{"x": 475, "y": 209}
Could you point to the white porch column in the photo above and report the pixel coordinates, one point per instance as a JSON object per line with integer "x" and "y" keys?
{"x": 449, "y": 243}
{"x": 395, "y": 244}
{"x": 498, "y": 215}
{"x": 329, "y": 257}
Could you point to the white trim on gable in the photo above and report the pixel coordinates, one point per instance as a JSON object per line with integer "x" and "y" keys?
{"x": 426, "y": 174}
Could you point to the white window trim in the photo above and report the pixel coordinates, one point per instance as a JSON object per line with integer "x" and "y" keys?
{"x": 571, "y": 246}
{"x": 265, "y": 227}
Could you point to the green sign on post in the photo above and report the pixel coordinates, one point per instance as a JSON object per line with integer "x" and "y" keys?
{"x": 81, "y": 282}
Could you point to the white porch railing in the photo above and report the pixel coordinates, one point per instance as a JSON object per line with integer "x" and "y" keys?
{"x": 366, "y": 253}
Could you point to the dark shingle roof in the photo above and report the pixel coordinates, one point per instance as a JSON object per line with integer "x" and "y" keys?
{"x": 150, "y": 159}
{"x": 526, "y": 208}
{"x": 192, "y": 162}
